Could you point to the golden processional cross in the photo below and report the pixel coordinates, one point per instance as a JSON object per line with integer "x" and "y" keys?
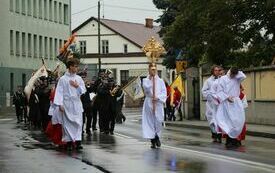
{"x": 153, "y": 51}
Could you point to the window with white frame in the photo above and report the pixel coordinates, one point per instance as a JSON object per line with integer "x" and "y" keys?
{"x": 11, "y": 5}
{"x": 51, "y": 48}
{"x": 35, "y": 46}
{"x": 23, "y": 45}
{"x": 40, "y": 46}
{"x": 11, "y": 43}
{"x": 17, "y": 6}
{"x": 29, "y": 5}
{"x": 51, "y": 10}
{"x": 66, "y": 14}
{"x": 34, "y": 8}
{"x": 55, "y": 11}
{"x": 23, "y": 10}
{"x": 60, "y": 13}
{"x": 46, "y": 9}
{"x": 40, "y": 8}
{"x": 17, "y": 43}
{"x": 105, "y": 46}
{"x": 55, "y": 47}
{"x": 124, "y": 76}
{"x": 29, "y": 45}
{"x": 125, "y": 48}
{"x": 46, "y": 47}
{"x": 82, "y": 45}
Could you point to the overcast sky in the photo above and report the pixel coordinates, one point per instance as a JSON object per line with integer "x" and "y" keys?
{"x": 124, "y": 10}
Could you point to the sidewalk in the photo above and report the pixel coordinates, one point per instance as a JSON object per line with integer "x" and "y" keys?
{"x": 265, "y": 131}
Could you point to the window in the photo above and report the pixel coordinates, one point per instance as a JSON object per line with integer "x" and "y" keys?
{"x": 55, "y": 11}
{"x": 51, "y": 48}
{"x": 35, "y": 46}
{"x": 40, "y": 47}
{"x": 29, "y": 45}
{"x": 60, "y": 44}
{"x": 11, "y": 5}
{"x": 46, "y": 9}
{"x": 29, "y": 7}
{"x": 124, "y": 76}
{"x": 82, "y": 45}
{"x": 51, "y": 10}
{"x": 46, "y": 47}
{"x": 40, "y": 8}
{"x": 17, "y": 6}
{"x": 66, "y": 14}
{"x": 23, "y": 6}
{"x": 105, "y": 46}
{"x": 60, "y": 12}
{"x": 125, "y": 47}
{"x": 23, "y": 80}
{"x": 55, "y": 47}
{"x": 34, "y": 8}
{"x": 11, "y": 43}
{"x": 17, "y": 43}
{"x": 23, "y": 44}
{"x": 11, "y": 83}
{"x": 159, "y": 73}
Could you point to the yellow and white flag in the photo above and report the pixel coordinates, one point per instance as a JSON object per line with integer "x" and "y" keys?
{"x": 179, "y": 83}
{"x": 134, "y": 88}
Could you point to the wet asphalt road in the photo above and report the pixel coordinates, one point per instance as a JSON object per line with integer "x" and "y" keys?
{"x": 183, "y": 150}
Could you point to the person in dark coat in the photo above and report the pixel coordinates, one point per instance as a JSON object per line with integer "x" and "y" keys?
{"x": 87, "y": 106}
{"x": 19, "y": 101}
{"x": 43, "y": 93}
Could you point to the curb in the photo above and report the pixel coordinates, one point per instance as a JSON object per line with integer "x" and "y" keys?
{"x": 248, "y": 132}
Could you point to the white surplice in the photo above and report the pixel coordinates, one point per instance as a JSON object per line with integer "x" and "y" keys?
{"x": 210, "y": 106}
{"x": 69, "y": 97}
{"x": 152, "y": 122}
{"x": 230, "y": 116}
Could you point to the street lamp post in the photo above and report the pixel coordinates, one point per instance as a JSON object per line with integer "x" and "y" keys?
{"x": 99, "y": 45}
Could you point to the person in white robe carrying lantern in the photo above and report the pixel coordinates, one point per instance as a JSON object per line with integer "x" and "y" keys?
{"x": 68, "y": 91}
{"x": 153, "y": 112}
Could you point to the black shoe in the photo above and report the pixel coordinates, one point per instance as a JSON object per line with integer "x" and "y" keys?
{"x": 69, "y": 146}
{"x": 94, "y": 129}
{"x": 157, "y": 141}
{"x": 111, "y": 133}
{"x": 78, "y": 145}
{"x": 153, "y": 143}
{"x": 88, "y": 133}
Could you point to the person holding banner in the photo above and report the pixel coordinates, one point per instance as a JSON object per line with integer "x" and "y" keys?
{"x": 153, "y": 111}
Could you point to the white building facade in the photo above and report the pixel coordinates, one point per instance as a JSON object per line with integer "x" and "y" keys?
{"x": 121, "y": 47}
{"x": 30, "y": 30}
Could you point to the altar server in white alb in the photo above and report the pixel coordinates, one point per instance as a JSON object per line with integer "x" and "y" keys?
{"x": 68, "y": 91}
{"x": 153, "y": 111}
{"x": 231, "y": 115}
{"x": 210, "y": 106}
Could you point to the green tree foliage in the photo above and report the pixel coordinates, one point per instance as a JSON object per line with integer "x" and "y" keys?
{"x": 228, "y": 32}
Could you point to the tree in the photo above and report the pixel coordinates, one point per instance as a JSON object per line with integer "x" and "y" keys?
{"x": 228, "y": 32}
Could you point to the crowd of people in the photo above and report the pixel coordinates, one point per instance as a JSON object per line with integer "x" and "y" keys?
{"x": 225, "y": 105}
{"x": 66, "y": 108}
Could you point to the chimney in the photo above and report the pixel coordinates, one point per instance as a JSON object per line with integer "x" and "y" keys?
{"x": 149, "y": 23}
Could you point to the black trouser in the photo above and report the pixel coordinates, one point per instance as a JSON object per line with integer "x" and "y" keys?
{"x": 19, "y": 113}
{"x": 112, "y": 122}
{"x": 173, "y": 113}
{"x": 87, "y": 114}
{"x": 94, "y": 118}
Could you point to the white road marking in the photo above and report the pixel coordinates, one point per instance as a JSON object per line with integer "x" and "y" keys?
{"x": 247, "y": 163}
{"x": 6, "y": 119}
